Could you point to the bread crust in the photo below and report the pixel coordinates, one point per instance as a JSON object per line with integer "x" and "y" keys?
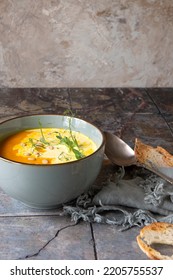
{"x": 158, "y": 232}
{"x": 146, "y": 155}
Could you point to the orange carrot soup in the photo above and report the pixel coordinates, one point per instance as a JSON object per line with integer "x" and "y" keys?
{"x": 46, "y": 146}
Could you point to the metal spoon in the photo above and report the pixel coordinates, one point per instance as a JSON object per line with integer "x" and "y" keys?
{"x": 118, "y": 151}
{"x": 123, "y": 155}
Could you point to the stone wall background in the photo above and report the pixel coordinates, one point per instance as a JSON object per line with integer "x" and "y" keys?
{"x": 86, "y": 43}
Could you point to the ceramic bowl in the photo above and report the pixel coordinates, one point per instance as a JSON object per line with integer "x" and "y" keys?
{"x": 49, "y": 186}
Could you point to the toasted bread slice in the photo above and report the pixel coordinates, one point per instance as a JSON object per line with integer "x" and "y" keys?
{"x": 148, "y": 156}
{"x": 155, "y": 233}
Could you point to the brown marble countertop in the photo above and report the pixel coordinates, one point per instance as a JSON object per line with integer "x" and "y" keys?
{"x": 34, "y": 234}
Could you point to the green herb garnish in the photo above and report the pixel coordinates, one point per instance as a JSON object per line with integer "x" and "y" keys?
{"x": 71, "y": 144}
{"x": 42, "y": 139}
{"x": 32, "y": 142}
{"x": 33, "y": 145}
{"x": 69, "y": 113}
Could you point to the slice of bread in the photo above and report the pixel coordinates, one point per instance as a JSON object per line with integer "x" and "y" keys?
{"x": 149, "y": 156}
{"x": 157, "y": 160}
{"x": 155, "y": 233}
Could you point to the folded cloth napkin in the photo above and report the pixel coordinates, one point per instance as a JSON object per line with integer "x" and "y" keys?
{"x": 137, "y": 201}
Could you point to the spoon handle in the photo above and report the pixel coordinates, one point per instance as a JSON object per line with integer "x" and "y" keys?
{"x": 164, "y": 172}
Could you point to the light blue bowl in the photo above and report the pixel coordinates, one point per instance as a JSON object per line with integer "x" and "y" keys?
{"x": 49, "y": 186}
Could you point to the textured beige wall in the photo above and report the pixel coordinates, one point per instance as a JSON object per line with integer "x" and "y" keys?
{"x": 86, "y": 43}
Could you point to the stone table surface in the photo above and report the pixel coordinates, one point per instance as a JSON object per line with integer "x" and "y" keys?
{"x": 27, "y": 233}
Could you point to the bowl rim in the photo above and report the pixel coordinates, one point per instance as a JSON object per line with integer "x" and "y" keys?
{"x": 55, "y": 164}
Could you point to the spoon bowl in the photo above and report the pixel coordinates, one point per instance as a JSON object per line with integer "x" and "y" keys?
{"x": 118, "y": 151}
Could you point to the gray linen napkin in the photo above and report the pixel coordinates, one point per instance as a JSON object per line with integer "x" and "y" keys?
{"x": 136, "y": 201}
